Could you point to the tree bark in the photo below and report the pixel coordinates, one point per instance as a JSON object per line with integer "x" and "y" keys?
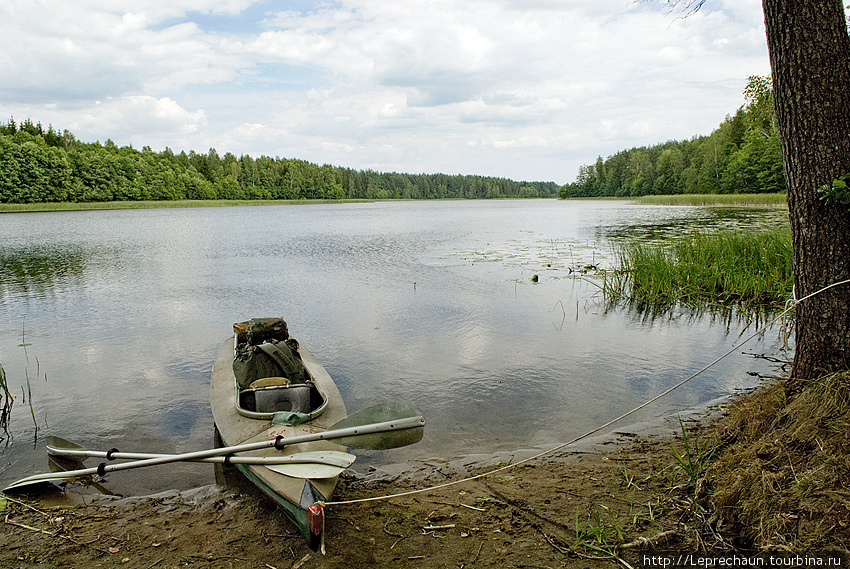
{"x": 810, "y": 61}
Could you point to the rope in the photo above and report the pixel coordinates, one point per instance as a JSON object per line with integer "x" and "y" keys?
{"x": 790, "y": 306}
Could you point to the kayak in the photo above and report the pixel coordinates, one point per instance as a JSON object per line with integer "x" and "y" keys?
{"x": 279, "y": 419}
{"x": 264, "y": 386}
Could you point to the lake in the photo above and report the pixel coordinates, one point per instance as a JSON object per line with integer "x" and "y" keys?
{"x": 112, "y": 319}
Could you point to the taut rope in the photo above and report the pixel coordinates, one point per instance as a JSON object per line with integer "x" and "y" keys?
{"x": 790, "y": 306}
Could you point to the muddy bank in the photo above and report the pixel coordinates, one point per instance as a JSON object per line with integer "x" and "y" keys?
{"x": 623, "y": 500}
{"x": 537, "y": 515}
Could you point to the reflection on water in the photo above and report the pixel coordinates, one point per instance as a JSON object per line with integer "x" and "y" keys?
{"x": 39, "y": 272}
{"x": 429, "y": 301}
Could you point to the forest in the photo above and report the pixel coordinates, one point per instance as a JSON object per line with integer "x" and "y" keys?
{"x": 38, "y": 165}
{"x": 741, "y": 156}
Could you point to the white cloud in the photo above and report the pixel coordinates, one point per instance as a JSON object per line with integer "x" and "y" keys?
{"x": 149, "y": 120}
{"x": 526, "y": 89}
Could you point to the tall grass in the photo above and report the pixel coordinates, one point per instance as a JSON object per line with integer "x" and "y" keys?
{"x": 782, "y": 474}
{"x": 749, "y": 268}
{"x": 730, "y": 200}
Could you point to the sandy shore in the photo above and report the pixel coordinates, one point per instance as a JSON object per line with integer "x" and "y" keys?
{"x": 563, "y": 510}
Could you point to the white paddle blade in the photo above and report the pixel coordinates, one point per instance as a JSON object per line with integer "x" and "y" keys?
{"x": 313, "y": 471}
{"x": 314, "y": 465}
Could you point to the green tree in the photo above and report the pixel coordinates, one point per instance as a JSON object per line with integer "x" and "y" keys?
{"x": 757, "y": 165}
{"x": 810, "y": 63}
{"x": 668, "y": 172}
{"x": 810, "y": 68}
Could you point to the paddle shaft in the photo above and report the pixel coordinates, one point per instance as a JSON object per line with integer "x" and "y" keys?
{"x": 330, "y": 459}
{"x": 278, "y": 443}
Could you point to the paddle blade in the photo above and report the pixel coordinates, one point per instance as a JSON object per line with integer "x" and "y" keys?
{"x": 55, "y": 445}
{"x": 33, "y": 486}
{"x": 58, "y": 463}
{"x": 315, "y": 464}
{"x": 382, "y": 413}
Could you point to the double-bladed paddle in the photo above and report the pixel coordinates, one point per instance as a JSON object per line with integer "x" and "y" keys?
{"x": 312, "y": 464}
{"x": 379, "y": 427}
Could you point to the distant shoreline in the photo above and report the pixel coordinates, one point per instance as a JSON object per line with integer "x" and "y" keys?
{"x": 727, "y": 200}
{"x": 92, "y": 206}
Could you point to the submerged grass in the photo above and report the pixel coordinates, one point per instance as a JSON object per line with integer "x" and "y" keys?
{"x": 781, "y": 480}
{"x": 729, "y": 200}
{"x": 748, "y": 268}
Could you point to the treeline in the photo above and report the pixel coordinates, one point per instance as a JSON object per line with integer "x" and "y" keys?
{"x": 38, "y": 165}
{"x": 741, "y": 156}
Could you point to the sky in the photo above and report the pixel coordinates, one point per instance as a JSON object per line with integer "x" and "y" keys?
{"x": 521, "y": 89}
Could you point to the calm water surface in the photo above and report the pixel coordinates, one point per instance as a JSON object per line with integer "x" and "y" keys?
{"x": 115, "y": 317}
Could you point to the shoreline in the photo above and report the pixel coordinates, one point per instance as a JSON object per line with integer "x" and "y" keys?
{"x": 522, "y": 517}
{"x": 613, "y": 500}
{"x": 694, "y": 200}
{"x": 530, "y": 508}
{"x": 461, "y": 465}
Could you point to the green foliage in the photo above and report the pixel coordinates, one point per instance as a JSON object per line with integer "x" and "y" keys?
{"x": 598, "y": 531}
{"x": 38, "y": 166}
{"x": 741, "y": 156}
{"x": 838, "y": 191}
{"x": 696, "y": 457}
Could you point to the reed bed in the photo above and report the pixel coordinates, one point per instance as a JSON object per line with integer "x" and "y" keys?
{"x": 728, "y": 200}
{"x": 746, "y": 268}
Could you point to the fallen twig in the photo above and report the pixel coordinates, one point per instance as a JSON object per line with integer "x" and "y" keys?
{"x": 388, "y": 532}
{"x": 454, "y": 504}
{"x": 555, "y": 546}
{"x": 25, "y": 505}
{"x": 398, "y": 535}
{"x": 433, "y": 528}
{"x": 52, "y": 534}
{"x": 621, "y": 560}
{"x": 474, "y": 559}
{"x": 645, "y": 541}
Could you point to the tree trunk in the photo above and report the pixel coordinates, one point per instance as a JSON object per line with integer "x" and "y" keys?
{"x": 810, "y": 60}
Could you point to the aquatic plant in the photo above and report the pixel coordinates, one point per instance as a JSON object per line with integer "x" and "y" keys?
{"x": 6, "y": 401}
{"x": 749, "y": 268}
{"x": 728, "y": 200}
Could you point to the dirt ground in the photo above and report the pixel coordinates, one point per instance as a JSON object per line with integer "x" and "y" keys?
{"x": 563, "y": 511}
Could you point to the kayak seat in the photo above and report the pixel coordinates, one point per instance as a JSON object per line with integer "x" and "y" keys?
{"x": 275, "y": 398}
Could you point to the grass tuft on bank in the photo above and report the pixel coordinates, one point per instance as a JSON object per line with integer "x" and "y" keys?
{"x": 780, "y": 480}
{"x": 745, "y": 268}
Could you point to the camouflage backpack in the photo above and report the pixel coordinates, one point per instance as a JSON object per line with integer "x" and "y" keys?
{"x": 269, "y": 359}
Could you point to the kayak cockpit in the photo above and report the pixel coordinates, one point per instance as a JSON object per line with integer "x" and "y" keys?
{"x": 271, "y": 380}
